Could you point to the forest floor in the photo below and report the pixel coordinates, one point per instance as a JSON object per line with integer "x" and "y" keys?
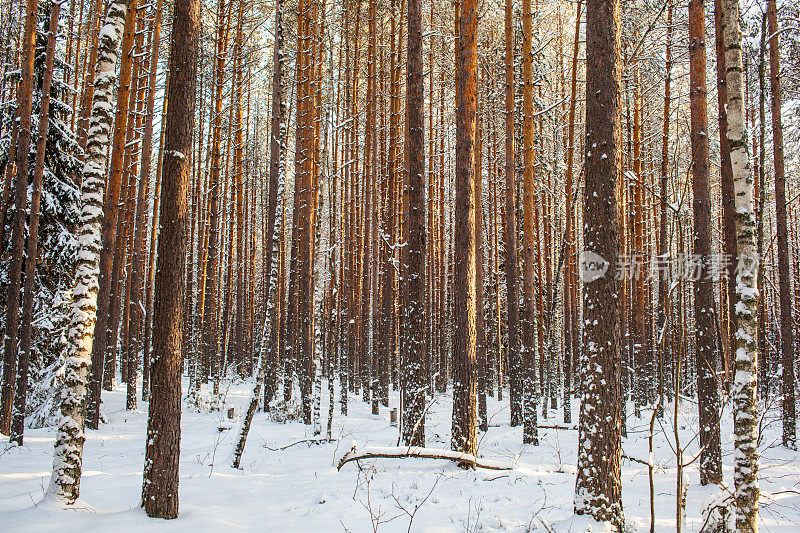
{"x": 298, "y": 488}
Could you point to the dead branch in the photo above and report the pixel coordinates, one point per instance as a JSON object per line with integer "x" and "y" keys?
{"x": 401, "y": 452}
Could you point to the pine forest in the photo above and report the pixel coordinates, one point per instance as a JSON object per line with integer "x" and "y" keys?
{"x": 400, "y": 265}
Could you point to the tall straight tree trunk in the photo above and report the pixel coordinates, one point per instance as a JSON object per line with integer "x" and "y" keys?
{"x": 151, "y": 266}
{"x": 663, "y": 251}
{"x": 389, "y": 274}
{"x": 726, "y": 184}
{"x": 415, "y": 381}
{"x": 743, "y": 392}
{"x": 514, "y": 355}
{"x": 480, "y": 329}
{"x": 570, "y": 296}
{"x": 238, "y": 337}
{"x": 704, "y": 305}
{"x": 25, "y": 108}
{"x": 277, "y": 162}
{"x": 784, "y": 281}
{"x": 761, "y": 337}
{"x": 32, "y": 252}
{"x": 529, "y": 241}
{"x": 210, "y": 334}
{"x": 464, "y": 335}
{"x": 370, "y": 157}
{"x": 147, "y": 151}
{"x": 67, "y": 459}
{"x": 160, "y": 487}
{"x": 109, "y": 219}
{"x": 598, "y": 489}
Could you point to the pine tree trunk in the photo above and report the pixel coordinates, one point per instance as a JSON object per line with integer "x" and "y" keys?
{"x": 415, "y": 383}
{"x": 514, "y": 353}
{"x": 21, "y": 393}
{"x": 151, "y": 267}
{"x": 663, "y": 251}
{"x": 480, "y": 329}
{"x": 704, "y": 305}
{"x": 160, "y": 487}
{"x": 784, "y": 282}
{"x": 529, "y": 222}
{"x": 761, "y": 324}
{"x": 277, "y": 162}
{"x": 25, "y": 108}
{"x": 726, "y": 185}
{"x": 210, "y": 335}
{"x": 570, "y": 303}
{"x": 598, "y": 487}
{"x": 464, "y": 335}
{"x": 147, "y": 150}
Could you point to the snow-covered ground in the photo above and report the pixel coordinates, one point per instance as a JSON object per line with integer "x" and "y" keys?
{"x": 297, "y": 488}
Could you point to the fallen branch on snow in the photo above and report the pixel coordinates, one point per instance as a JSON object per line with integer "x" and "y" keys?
{"x": 404, "y": 452}
{"x": 307, "y": 441}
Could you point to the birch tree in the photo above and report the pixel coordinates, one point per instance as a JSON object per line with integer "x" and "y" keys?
{"x": 743, "y": 392}
{"x": 67, "y": 459}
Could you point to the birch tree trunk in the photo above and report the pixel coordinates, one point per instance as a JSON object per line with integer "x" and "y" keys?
{"x": 67, "y": 459}
{"x": 107, "y": 313}
{"x": 270, "y": 322}
{"x": 745, "y": 413}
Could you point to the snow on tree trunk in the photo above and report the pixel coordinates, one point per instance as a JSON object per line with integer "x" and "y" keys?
{"x": 743, "y": 392}
{"x": 598, "y": 488}
{"x": 67, "y": 459}
{"x": 514, "y": 362}
{"x": 269, "y": 319}
{"x": 316, "y": 392}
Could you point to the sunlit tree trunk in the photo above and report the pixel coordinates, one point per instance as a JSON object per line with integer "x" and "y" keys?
{"x": 160, "y": 487}
{"x": 598, "y": 489}
{"x": 67, "y": 460}
{"x": 464, "y": 335}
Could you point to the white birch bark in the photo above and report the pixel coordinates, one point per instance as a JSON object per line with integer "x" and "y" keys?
{"x": 67, "y": 459}
{"x": 266, "y": 347}
{"x": 745, "y": 414}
